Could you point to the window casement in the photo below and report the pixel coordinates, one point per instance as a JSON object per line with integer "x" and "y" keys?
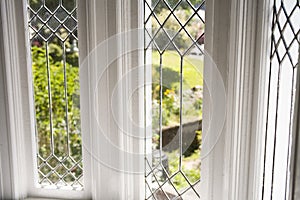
{"x": 113, "y": 90}
{"x": 53, "y": 28}
{"x": 281, "y": 130}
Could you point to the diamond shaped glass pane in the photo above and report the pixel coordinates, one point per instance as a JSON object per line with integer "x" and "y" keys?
{"x": 172, "y": 3}
{"x": 179, "y": 182}
{"x": 69, "y": 5}
{"x": 35, "y": 24}
{"x": 61, "y": 14}
{"x": 172, "y": 25}
{"x": 183, "y": 41}
{"x": 61, "y": 170}
{"x": 281, "y": 18}
{"x": 35, "y": 5}
{"x": 294, "y": 18}
{"x": 70, "y": 24}
{"x": 161, "y": 40}
{"x": 183, "y": 11}
{"x": 45, "y": 33}
{"x": 161, "y": 11}
{"x": 43, "y": 14}
{"x": 53, "y": 162}
{"x": 198, "y": 4}
{"x": 53, "y": 24}
{"x": 69, "y": 178}
{"x": 54, "y": 177}
{"x": 52, "y": 5}
{"x": 45, "y": 170}
{"x": 68, "y": 163}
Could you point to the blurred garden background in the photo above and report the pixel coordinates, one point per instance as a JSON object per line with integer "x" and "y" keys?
{"x": 176, "y": 34}
{"x": 55, "y": 68}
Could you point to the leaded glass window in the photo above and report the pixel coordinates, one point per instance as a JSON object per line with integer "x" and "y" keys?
{"x": 283, "y": 73}
{"x": 174, "y": 44}
{"x": 55, "y": 78}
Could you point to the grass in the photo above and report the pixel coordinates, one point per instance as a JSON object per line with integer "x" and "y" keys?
{"x": 192, "y": 76}
{"x": 192, "y": 67}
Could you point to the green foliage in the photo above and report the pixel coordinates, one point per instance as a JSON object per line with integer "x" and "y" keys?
{"x": 190, "y": 167}
{"x": 56, "y": 92}
{"x": 60, "y": 102}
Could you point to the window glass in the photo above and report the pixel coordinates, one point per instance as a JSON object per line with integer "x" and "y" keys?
{"x": 55, "y": 79}
{"x": 174, "y": 39}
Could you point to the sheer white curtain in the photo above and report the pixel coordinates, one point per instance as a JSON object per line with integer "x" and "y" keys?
{"x": 112, "y": 102}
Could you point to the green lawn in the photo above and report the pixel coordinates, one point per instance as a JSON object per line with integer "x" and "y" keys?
{"x": 192, "y": 68}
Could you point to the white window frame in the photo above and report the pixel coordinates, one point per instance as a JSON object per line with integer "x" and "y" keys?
{"x": 234, "y": 170}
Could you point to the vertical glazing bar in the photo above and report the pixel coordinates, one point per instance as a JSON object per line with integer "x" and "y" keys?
{"x": 49, "y": 97}
{"x": 180, "y": 113}
{"x": 66, "y": 98}
{"x": 268, "y": 106}
{"x": 296, "y": 118}
{"x": 160, "y": 106}
{"x": 290, "y": 132}
{"x": 276, "y": 56}
{"x": 275, "y": 134}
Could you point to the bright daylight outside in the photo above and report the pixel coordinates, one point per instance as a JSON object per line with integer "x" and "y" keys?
{"x": 174, "y": 44}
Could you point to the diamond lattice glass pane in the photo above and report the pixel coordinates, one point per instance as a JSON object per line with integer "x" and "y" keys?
{"x": 53, "y": 35}
{"x": 177, "y": 28}
{"x": 283, "y": 80}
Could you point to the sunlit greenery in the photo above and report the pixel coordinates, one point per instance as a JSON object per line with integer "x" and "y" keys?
{"x": 61, "y": 102}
